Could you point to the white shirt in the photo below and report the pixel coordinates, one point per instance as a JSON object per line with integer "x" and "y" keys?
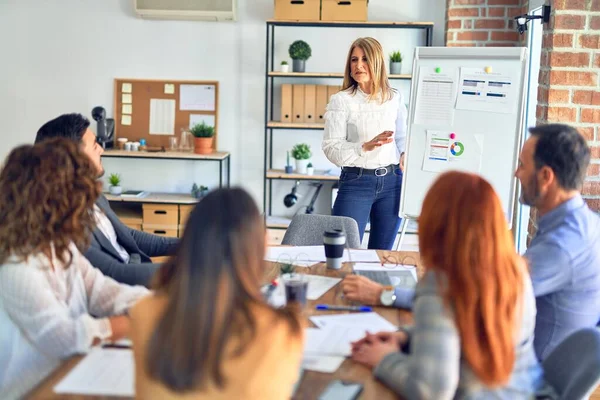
{"x": 108, "y": 230}
{"x": 48, "y": 315}
{"x": 351, "y": 120}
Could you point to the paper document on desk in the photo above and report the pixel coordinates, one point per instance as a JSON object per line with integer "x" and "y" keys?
{"x": 387, "y": 268}
{"x": 317, "y": 287}
{"x": 316, "y": 254}
{"x": 364, "y": 256}
{"x": 333, "y": 341}
{"x": 370, "y": 321}
{"x": 103, "y": 372}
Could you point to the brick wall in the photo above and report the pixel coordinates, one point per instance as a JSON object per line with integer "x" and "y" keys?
{"x": 569, "y": 81}
{"x": 472, "y": 23}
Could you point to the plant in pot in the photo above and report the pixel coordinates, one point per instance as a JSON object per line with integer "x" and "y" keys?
{"x": 115, "y": 184}
{"x": 299, "y": 53}
{"x": 199, "y": 191}
{"x": 310, "y": 170}
{"x": 395, "y": 63}
{"x": 285, "y": 67}
{"x": 203, "y": 138}
{"x": 301, "y": 153}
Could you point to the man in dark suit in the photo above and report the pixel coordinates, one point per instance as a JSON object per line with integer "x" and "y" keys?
{"x": 117, "y": 250}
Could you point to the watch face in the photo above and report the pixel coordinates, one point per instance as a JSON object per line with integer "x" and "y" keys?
{"x": 388, "y": 297}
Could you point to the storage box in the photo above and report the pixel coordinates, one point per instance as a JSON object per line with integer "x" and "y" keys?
{"x": 167, "y": 231}
{"x": 344, "y": 10}
{"x": 299, "y": 10}
{"x": 161, "y": 214}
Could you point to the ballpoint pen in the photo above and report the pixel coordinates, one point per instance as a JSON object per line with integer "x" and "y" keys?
{"x": 330, "y": 307}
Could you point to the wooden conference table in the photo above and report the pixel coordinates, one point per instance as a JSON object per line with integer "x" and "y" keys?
{"x": 312, "y": 383}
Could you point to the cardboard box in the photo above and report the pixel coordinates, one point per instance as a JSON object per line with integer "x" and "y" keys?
{"x": 344, "y": 10}
{"x": 161, "y": 214}
{"x": 298, "y": 10}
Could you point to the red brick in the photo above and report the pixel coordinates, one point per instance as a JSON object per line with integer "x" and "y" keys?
{"x": 505, "y": 36}
{"x": 502, "y": 44}
{"x": 468, "y": 24}
{"x": 490, "y": 24}
{"x": 555, "y": 40}
{"x": 570, "y": 4}
{"x": 558, "y": 96}
{"x": 593, "y": 170}
{"x": 544, "y": 57}
{"x": 576, "y": 78}
{"x": 450, "y": 36}
{"x": 463, "y": 12}
{"x": 587, "y": 133}
{"x": 595, "y": 5}
{"x": 593, "y": 204}
{"x": 542, "y": 95}
{"x": 462, "y": 44}
{"x": 595, "y": 23}
{"x": 590, "y": 115}
{"x": 562, "y": 114}
{"x": 468, "y": 2}
{"x": 589, "y": 41}
{"x": 472, "y": 36}
{"x": 591, "y": 188}
{"x": 455, "y": 24}
{"x": 541, "y": 112}
{"x": 595, "y": 152}
{"x": 514, "y": 11}
{"x": 504, "y": 2}
{"x": 483, "y": 12}
{"x": 564, "y": 59}
{"x": 597, "y": 61}
{"x": 589, "y": 97}
{"x": 497, "y": 11}
{"x": 569, "y": 21}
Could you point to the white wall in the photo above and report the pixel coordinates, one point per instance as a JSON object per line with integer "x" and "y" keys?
{"x": 62, "y": 56}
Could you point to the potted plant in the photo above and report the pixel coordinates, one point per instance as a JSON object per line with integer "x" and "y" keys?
{"x": 395, "y": 63}
{"x": 299, "y": 53}
{"x": 286, "y": 268}
{"x": 301, "y": 153}
{"x": 285, "y": 67}
{"x": 115, "y": 184}
{"x": 199, "y": 191}
{"x": 203, "y": 138}
{"x": 310, "y": 170}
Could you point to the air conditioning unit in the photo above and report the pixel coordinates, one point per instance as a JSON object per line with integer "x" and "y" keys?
{"x": 200, "y": 10}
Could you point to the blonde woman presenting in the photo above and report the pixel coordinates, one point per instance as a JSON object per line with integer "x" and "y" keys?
{"x": 365, "y": 132}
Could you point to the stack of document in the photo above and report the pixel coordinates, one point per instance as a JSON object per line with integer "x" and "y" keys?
{"x": 327, "y": 346}
{"x": 309, "y": 255}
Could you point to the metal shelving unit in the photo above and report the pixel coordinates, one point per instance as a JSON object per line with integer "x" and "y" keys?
{"x": 270, "y": 76}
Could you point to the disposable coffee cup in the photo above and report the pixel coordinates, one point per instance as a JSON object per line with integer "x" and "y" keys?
{"x": 334, "y": 241}
{"x": 296, "y": 289}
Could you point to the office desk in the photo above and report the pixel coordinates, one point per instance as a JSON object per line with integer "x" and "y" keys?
{"x": 313, "y": 383}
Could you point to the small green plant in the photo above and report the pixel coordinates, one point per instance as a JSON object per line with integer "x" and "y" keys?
{"x": 284, "y": 63}
{"x": 114, "y": 179}
{"x": 301, "y": 151}
{"x": 309, "y": 165}
{"x": 396, "y": 56}
{"x": 202, "y": 130}
{"x": 300, "y": 50}
{"x": 286, "y": 268}
{"x": 199, "y": 191}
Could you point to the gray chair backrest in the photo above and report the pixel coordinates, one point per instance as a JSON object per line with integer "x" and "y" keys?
{"x": 573, "y": 367}
{"x": 308, "y": 229}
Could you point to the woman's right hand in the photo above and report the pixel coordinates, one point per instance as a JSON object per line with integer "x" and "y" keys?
{"x": 378, "y": 141}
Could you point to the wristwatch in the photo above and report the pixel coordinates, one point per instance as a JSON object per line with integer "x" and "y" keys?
{"x": 388, "y": 296}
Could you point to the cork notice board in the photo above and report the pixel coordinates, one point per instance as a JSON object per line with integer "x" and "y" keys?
{"x": 156, "y": 110}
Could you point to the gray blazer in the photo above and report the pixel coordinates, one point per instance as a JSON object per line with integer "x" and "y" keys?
{"x": 140, "y": 246}
{"x": 434, "y": 367}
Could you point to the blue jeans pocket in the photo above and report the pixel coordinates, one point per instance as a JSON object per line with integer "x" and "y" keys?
{"x": 347, "y": 177}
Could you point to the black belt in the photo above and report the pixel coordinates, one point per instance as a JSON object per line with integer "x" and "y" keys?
{"x": 381, "y": 171}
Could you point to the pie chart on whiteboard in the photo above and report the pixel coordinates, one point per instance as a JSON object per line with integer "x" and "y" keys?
{"x": 457, "y": 149}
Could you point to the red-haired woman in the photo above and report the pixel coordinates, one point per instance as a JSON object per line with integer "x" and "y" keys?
{"x": 474, "y": 309}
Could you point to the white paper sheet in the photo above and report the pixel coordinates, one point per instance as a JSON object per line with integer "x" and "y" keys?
{"x": 434, "y": 104}
{"x": 127, "y": 109}
{"x": 126, "y": 98}
{"x": 126, "y": 87}
{"x": 103, "y": 372}
{"x": 489, "y": 92}
{"x": 387, "y": 268}
{"x": 169, "y": 88}
{"x": 317, "y": 287}
{"x": 162, "y": 117}
{"x": 125, "y": 119}
{"x": 314, "y": 254}
{"x": 364, "y": 256}
{"x": 463, "y": 153}
{"x": 321, "y": 363}
{"x": 199, "y": 118}
{"x": 367, "y": 320}
{"x": 197, "y": 97}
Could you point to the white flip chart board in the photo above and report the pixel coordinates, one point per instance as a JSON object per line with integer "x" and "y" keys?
{"x": 466, "y": 113}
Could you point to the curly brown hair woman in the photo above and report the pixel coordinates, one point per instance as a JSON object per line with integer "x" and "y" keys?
{"x": 53, "y": 303}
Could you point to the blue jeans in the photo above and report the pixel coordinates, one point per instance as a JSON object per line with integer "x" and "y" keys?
{"x": 363, "y": 197}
